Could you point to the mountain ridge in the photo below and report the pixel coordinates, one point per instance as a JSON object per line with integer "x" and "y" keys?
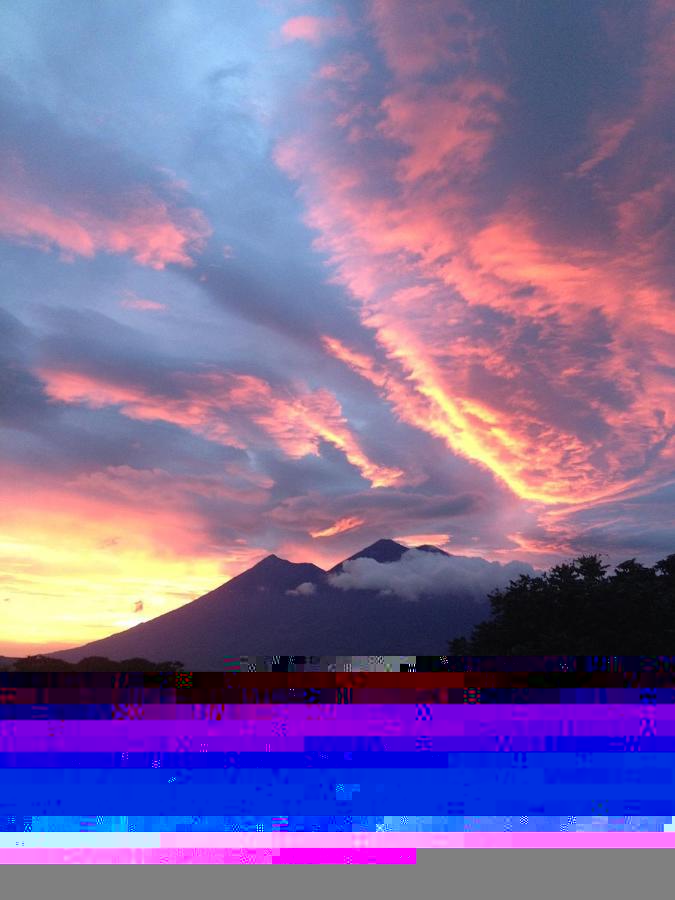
{"x": 383, "y": 550}
{"x": 261, "y": 612}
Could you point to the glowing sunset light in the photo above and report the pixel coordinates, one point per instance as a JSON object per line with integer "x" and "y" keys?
{"x": 341, "y": 271}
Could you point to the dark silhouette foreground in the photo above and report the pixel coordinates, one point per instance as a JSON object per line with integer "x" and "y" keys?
{"x": 574, "y": 609}
{"x": 42, "y": 663}
{"x": 577, "y": 609}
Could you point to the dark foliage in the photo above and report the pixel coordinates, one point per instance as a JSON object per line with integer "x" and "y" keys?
{"x": 578, "y": 609}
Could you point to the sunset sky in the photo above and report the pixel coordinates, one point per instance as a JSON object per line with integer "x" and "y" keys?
{"x": 290, "y": 276}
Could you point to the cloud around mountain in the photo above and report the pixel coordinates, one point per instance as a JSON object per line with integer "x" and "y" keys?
{"x": 419, "y": 573}
{"x": 302, "y": 590}
{"x": 360, "y": 607}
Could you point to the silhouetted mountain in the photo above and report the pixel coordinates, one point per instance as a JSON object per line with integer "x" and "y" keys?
{"x": 382, "y": 551}
{"x": 280, "y": 607}
{"x": 272, "y": 571}
{"x": 429, "y": 548}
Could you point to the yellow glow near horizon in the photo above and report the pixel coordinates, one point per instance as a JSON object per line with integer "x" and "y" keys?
{"x": 78, "y": 556}
{"x": 66, "y": 592}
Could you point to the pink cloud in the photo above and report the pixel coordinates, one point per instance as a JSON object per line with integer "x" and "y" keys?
{"x": 419, "y": 37}
{"x": 154, "y": 232}
{"x": 142, "y": 304}
{"x": 653, "y": 96}
{"x": 313, "y": 29}
{"x": 233, "y": 409}
{"x": 645, "y": 211}
{"x": 359, "y": 362}
{"x": 434, "y": 538}
{"x": 348, "y": 523}
{"x": 608, "y": 139}
{"x": 449, "y": 129}
{"x": 659, "y": 66}
{"x": 36, "y": 223}
{"x": 153, "y": 488}
{"x": 404, "y": 223}
{"x": 348, "y": 69}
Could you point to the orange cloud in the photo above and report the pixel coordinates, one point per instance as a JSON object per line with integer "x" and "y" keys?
{"x": 227, "y": 408}
{"x": 339, "y": 527}
{"x": 359, "y": 362}
{"x": 434, "y": 538}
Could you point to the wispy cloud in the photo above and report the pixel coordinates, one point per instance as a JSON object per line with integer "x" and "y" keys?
{"x": 230, "y": 408}
{"x": 339, "y": 527}
{"x": 142, "y": 304}
{"x": 153, "y": 232}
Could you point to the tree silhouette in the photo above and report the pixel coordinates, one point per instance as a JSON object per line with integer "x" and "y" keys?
{"x": 41, "y": 663}
{"x": 577, "y": 609}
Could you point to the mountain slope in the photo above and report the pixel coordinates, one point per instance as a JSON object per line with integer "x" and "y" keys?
{"x": 203, "y": 631}
{"x": 260, "y": 612}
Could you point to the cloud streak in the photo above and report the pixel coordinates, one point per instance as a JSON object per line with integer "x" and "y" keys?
{"x": 533, "y": 350}
{"x": 339, "y": 527}
{"x": 233, "y": 409}
{"x": 154, "y": 232}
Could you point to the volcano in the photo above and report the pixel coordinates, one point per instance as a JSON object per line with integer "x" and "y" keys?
{"x": 279, "y": 607}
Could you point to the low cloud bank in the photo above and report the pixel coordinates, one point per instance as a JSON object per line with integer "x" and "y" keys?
{"x": 420, "y": 573}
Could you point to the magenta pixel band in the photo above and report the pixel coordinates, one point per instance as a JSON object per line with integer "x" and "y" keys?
{"x": 335, "y": 766}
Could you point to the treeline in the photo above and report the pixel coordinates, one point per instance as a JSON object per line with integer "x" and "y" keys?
{"x": 41, "y": 663}
{"x": 578, "y": 609}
